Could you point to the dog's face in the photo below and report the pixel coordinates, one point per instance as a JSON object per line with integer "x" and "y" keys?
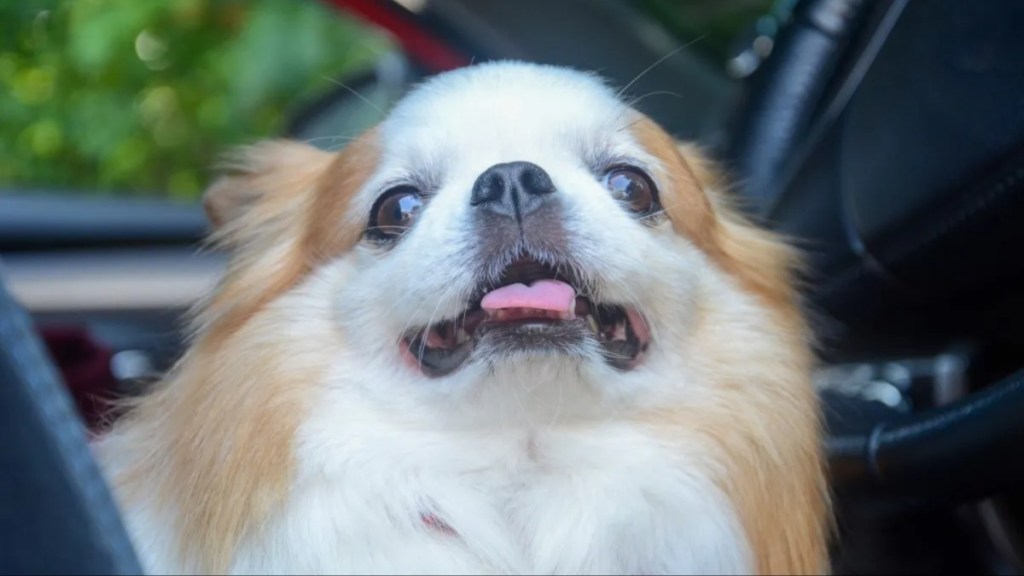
{"x": 518, "y": 225}
{"x": 511, "y": 226}
{"x": 517, "y": 219}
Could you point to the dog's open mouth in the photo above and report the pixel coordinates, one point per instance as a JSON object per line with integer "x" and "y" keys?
{"x": 533, "y": 307}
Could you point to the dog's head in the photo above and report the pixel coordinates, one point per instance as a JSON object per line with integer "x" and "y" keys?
{"x": 513, "y": 247}
{"x": 509, "y": 230}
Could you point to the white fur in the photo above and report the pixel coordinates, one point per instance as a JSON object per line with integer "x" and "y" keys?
{"x": 533, "y": 493}
{"x": 535, "y": 464}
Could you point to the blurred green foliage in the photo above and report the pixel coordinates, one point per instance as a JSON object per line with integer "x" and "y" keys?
{"x": 139, "y": 97}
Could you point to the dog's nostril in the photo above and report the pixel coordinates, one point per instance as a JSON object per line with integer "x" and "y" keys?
{"x": 534, "y": 180}
{"x": 490, "y": 187}
{"x": 512, "y": 189}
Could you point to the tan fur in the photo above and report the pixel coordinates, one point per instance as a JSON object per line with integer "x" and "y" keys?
{"x": 234, "y": 402}
{"x": 700, "y": 209}
{"x": 287, "y": 194}
{"x": 773, "y": 471}
{"x": 683, "y": 199}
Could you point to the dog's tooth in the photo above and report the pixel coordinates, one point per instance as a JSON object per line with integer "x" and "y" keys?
{"x": 461, "y": 336}
{"x": 619, "y": 332}
{"x": 592, "y": 322}
{"x": 434, "y": 337}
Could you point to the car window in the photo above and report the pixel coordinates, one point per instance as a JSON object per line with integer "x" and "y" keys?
{"x": 138, "y": 98}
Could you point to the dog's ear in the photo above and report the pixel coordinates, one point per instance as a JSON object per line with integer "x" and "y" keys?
{"x": 279, "y": 208}
{"x": 767, "y": 261}
{"x": 250, "y": 174}
{"x": 710, "y": 176}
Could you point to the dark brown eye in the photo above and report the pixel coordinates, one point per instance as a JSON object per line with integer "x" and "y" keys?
{"x": 394, "y": 212}
{"x": 633, "y": 188}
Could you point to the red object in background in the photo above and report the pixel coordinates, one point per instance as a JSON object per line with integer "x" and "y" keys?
{"x": 85, "y": 366}
{"x": 423, "y": 46}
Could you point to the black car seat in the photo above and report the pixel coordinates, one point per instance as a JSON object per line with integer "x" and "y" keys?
{"x": 56, "y": 512}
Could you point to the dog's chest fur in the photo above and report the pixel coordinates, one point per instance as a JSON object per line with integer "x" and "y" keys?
{"x": 605, "y": 499}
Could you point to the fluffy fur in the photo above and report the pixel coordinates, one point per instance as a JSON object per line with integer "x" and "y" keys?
{"x": 291, "y": 438}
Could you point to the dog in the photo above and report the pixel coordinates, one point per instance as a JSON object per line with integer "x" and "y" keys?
{"x": 514, "y": 328}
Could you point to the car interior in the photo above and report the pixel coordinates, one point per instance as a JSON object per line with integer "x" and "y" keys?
{"x": 885, "y": 138}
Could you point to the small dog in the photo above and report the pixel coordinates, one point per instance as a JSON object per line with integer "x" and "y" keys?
{"x": 515, "y": 328}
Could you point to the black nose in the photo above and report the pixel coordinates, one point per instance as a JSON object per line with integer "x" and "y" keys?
{"x": 513, "y": 189}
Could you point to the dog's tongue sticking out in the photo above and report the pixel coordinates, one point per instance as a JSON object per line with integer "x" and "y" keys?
{"x": 547, "y": 295}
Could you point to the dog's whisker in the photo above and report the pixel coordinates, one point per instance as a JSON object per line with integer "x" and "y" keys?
{"x": 355, "y": 93}
{"x": 632, "y": 103}
{"x": 647, "y": 70}
{"x": 333, "y": 139}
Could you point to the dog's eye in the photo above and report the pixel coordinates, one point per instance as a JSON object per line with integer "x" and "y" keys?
{"x": 394, "y": 212}
{"x": 633, "y": 188}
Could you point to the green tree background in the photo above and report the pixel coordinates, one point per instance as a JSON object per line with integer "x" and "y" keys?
{"x": 138, "y": 97}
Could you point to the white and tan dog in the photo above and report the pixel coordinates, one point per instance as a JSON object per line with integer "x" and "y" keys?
{"x": 513, "y": 329}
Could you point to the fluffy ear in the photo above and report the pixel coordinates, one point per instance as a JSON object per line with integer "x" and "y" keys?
{"x": 767, "y": 261}
{"x": 710, "y": 177}
{"x": 280, "y": 208}
{"x": 250, "y": 174}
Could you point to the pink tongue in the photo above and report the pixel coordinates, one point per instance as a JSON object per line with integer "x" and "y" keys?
{"x": 541, "y": 295}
